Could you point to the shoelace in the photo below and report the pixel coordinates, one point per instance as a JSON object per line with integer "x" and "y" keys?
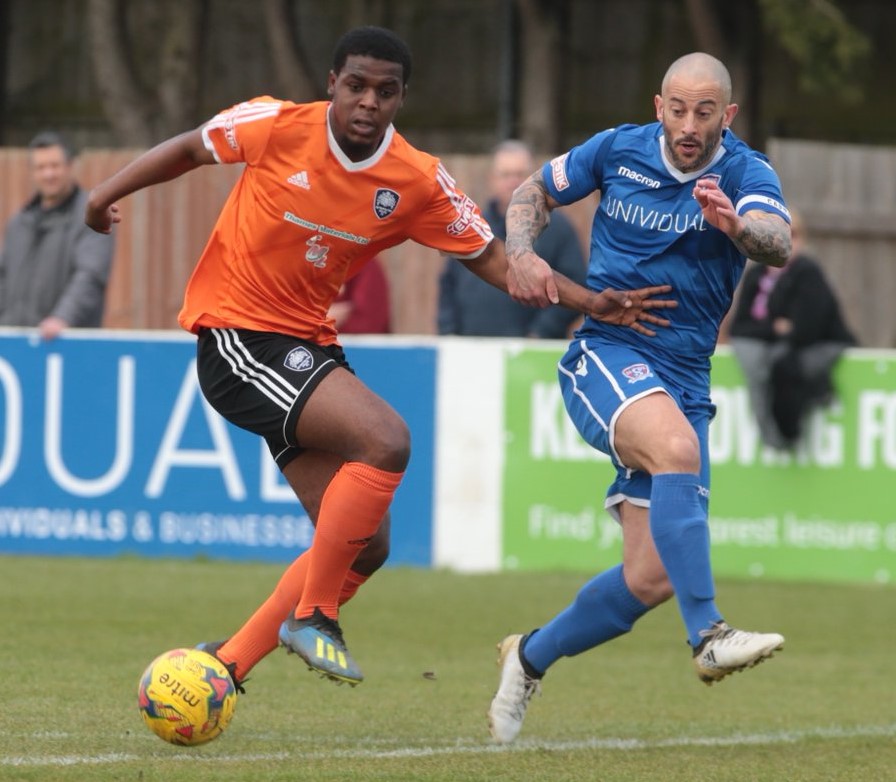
{"x": 718, "y": 632}
{"x": 320, "y": 621}
{"x": 530, "y": 687}
{"x": 724, "y": 633}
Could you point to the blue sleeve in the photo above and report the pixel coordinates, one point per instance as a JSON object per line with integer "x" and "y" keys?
{"x": 760, "y": 188}
{"x": 578, "y": 173}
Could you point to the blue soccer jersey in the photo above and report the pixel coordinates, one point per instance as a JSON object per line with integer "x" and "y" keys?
{"x": 649, "y": 230}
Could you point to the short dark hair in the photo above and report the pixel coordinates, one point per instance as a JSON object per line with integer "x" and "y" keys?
{"x": 50, "y": 138}
{"x": 376, "y": 42}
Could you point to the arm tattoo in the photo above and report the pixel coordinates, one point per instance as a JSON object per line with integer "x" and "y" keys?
{"x": 765, "y": 238}
{"x": 527, "y": 216}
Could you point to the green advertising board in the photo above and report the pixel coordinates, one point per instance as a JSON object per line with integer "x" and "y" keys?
{"x": 825, "y": 512}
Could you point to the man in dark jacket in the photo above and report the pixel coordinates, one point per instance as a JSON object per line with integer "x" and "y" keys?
{"x": 470, "y": 307}
{"x": 787, "y": 334}
{"x": 53, "y": 268}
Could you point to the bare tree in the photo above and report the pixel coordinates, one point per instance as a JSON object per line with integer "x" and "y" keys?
{"x": 732, "y": 34}
{"x": 149, "y": 57}
{"x": 543, "y": 29}
{"x": 181, "y": 50}
{"x": 292, "y": 68}
{"x": 363, "y": 11}
{"x": 5, "y": 13}
{"x": 825, "y": 48}
{"x": 142, "y": 115}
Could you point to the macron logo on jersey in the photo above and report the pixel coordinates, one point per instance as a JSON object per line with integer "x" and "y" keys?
{"x": 636, "y": 177}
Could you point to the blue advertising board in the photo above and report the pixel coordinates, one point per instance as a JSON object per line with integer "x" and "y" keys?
{"x": 107, "y": 446}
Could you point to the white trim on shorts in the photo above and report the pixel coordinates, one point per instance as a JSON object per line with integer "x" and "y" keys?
{"x": 609, "y": 428}
{"x": 613, "y": 501}
{"x": 275, "y": 387}
{"x": 250, "y": 371}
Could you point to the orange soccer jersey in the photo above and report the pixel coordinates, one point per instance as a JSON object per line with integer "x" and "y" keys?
{"x": 302, "y": 215}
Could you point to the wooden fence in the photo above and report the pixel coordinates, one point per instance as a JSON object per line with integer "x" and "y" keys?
{"x": 847, "y": 195}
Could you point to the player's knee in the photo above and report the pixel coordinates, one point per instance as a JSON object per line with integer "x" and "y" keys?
{"x": 679, "y": 452}
{"x": 651, "y": 587}
{"x": 389, "y": 447}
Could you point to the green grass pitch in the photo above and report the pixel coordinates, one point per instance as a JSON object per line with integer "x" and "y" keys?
{"x": 77, "y": 633}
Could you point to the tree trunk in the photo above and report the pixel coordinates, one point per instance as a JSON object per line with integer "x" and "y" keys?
{"x": 181, "y": 48}
{"x": 139, "y": 115}
{"x": 543, "y": 25}
{"x": 128, "y": 107}
{"x": 5, "y": 37}
{"x": 295, "y": 77}
{"x": 730, "y": 34}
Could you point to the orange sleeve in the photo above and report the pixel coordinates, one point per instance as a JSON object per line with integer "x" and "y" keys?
{"x": 451, "y": 222}
{"x": 240, "y": 134}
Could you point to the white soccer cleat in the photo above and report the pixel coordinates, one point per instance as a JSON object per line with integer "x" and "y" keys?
{"x": 515, "y": 690}
{"x": 726, "y": 650}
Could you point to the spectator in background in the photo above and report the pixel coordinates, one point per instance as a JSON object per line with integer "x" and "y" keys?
{"x": 471, "y": 307}
{"x": 53, "y": 268}
{"x": 787, "y": 334}
{"x": 362, "y": 305}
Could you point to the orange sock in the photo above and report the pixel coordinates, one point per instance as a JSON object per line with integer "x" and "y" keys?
{"x": 351, "y": 510}
{"x": 353, "y": 582}
{"x": 258, "y": 637}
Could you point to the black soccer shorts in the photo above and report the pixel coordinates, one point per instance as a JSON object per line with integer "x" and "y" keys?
{"x": 260, "y": 381}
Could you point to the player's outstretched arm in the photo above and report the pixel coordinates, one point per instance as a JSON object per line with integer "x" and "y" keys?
{"x": 632, "y": 309}
{"x": 530, "y": 279}
{"x": 759, "y": 235}
{"x": 163, "y": 162}
{"x": 764, "y": 237}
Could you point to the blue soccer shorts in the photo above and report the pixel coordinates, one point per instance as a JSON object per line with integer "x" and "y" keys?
{"x": 599, "y": 380}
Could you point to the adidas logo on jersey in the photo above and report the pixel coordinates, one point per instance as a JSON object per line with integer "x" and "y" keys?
{"x": 300, "y": 179}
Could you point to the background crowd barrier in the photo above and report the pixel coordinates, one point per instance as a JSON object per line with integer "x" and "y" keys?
{"x": 108, "y": 448}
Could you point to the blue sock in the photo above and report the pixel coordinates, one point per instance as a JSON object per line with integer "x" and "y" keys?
{"x": 680, "y": 529}
{"x": 603, "y": 609}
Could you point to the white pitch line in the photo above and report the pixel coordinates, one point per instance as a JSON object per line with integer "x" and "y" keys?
{"x": 526, "y": 745}
{"x": 69, "y": 760}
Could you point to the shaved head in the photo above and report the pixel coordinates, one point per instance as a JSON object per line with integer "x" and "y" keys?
{"x": 695, "y": 109}
{"x": 700, "y": 67}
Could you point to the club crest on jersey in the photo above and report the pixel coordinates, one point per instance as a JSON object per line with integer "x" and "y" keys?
{"x": 384, "y": 202}
{"x": 299, "y": 360}
{"x": 637, "y": 372}
{"x": 582, "y": 367}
